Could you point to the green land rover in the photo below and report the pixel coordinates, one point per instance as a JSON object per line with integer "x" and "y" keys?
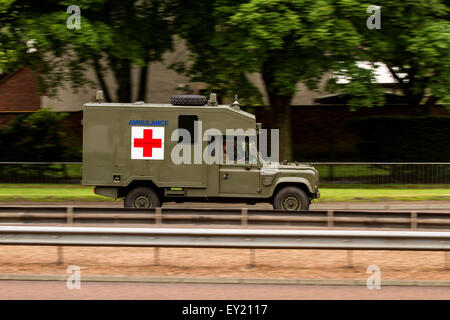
{"x": 149, "y": 154}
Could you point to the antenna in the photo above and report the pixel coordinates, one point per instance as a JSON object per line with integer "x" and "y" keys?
{"x": 236, "y": 102}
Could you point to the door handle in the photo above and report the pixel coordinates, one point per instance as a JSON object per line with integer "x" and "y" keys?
{"x": 225, "y": 175}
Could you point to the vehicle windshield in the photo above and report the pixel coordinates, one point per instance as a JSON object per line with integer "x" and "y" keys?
{"x": 254, "y": 154}
{"x": 264, "y": 160}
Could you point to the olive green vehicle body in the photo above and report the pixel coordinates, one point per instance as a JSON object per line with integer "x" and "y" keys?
{"x": 107, "y": 163}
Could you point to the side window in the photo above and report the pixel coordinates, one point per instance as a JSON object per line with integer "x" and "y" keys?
{"x": 187, "y": 122}
{"x": 240, "y": 149}
{"x": 237, "y": 151}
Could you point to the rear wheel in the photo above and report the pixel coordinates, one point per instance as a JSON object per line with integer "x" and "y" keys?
{"x": 291, "y": 199}
{"x": 142, "y": 197}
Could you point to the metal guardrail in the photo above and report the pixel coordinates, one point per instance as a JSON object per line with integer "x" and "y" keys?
{"x": 225, "y": 238}
{"x": 330, "y": 219}
{"x": 40, "y": 172}
{"x": 383, "y": 172}
{"x": 330, "y": 172}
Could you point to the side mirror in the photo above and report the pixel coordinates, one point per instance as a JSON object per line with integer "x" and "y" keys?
{"x": 258, "y": 126}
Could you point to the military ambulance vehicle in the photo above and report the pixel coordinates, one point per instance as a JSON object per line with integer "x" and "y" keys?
{"x": 149, "y": 154}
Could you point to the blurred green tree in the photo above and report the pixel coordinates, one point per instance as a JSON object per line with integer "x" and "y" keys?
{"x": 113, "y": 35}
{"x": 286, "y": 41}
{"x": 35, "y": 136}
{"x": 292, "y": 41}
{"x": 414, "y": 43}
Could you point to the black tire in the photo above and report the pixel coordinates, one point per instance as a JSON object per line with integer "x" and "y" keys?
{"x": 291, "y": 199}
{"x": 142, "y": 197}
{"x": 188, "y": 100}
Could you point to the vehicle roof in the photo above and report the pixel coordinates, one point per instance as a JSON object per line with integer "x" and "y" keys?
{"x": 162, "y": 105}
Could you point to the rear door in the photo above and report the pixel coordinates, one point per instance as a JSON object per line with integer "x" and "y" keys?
{"x": 186, "y": 174}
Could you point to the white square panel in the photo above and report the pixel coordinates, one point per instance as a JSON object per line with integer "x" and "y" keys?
{"x": 147, "y": 143}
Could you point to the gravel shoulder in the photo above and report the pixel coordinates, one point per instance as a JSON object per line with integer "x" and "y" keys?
{"x": 191, "y": 262}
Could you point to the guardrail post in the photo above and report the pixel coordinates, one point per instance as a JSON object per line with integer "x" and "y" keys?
{"x": 156, "y": 256}
{"x": 413, "y": 220}
{"x": 158, "y": 216}
{"x": 244, "y": 217}
{"x": 69, "y": 214}
{"x": 60, "y": 256}
{"x": 330, "y": 220}
{"x": 252, "y": 258}
{"x": 350, "y": 258}
{"x": 447, "y": 260}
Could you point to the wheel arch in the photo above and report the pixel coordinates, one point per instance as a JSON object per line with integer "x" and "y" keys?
{"x": 302, "y": 184}
{"x": 122, "y": 192}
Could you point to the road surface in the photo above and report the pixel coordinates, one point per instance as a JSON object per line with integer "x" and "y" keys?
{"x": 56, "y": 290}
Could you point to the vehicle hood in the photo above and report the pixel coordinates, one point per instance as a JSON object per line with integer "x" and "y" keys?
{"x": 277, "y": 167}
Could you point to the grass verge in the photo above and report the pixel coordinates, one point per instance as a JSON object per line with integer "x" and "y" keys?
{"x": 48, "y": 192}
{"x": 68, "y": 192}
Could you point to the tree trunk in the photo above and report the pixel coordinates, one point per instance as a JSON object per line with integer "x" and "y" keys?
{"x": 414, "y": 104}
{"x": 427, "y": 106}
{"x": 280, "y": 110}
{"x": 143, "y": 83}
{"x": 413, "y": 93}
{"x": 122, "y": 73}
{"x": 101, "y": 81}
{"x": 281, "y": 119}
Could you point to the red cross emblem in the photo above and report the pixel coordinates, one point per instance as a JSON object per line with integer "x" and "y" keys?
{"x": 147, "y": 143}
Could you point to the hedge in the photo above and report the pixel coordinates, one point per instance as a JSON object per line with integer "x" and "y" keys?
{"x": 400, "y": 138}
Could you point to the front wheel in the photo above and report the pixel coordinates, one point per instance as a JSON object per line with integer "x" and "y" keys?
{"x": 291, "y": 199}
{"x": 142, "y": 197}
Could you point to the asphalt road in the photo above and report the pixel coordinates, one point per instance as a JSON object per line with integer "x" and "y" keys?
{"x": 56, "y": 290}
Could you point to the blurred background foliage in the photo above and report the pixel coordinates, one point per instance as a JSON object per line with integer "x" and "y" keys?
{"x": 286, "y": 41}
{"x": 403, "y": 139}
{"x": 38, "y": 136}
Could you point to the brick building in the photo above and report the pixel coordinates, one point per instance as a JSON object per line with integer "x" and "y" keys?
{"x": 19, "y": 91}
